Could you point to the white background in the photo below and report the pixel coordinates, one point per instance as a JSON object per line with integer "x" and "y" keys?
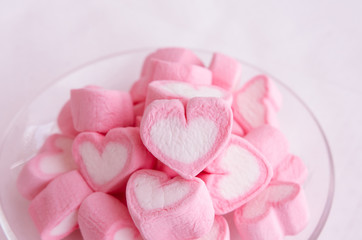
{"x": 312, "y": 46}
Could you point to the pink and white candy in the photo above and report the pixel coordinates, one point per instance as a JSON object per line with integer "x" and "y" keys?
{"x": 257, "y": 103}
{"x": 65, "y": 120}
{"x": 279, "y": 210}
{"x": 164, "y": 70}
{"x": 169, "y": 89}
{"x": 291, "y": 169}
{"x": 106, "y": 162}
{"x": 99, "y": 110}
{"x": 54, "y": 210}
{"x": 172, "y": 54}
{"x": 271, "y": 142}
{"x": 219, "y": 231}
{"x": 52, "y": 160}
{"x": 225, "y": 70}
{"x": 103, "y": 217}
{"x": 164, "y": 208}
{"x": 236, "y": 176}
{"x": 186, "y": 139}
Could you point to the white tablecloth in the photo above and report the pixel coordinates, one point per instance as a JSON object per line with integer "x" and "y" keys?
{"x": 313, "y": 46}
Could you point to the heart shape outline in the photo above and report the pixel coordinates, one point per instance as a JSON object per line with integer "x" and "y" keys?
{"x": 265, "y": 104}
{"x": 206, "y": 110}
{"x": 172, "y": 221}
{"x": 281, "y": 211}
{"x": 137, "y": 157}
{"x": 226, "y": 169}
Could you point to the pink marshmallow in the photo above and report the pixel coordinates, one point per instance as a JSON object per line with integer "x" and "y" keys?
{"x": 291, "y": 169}
{"x": 186, "y": 139}
{"x": 271, "y": 142}
{"x": 53, "y": 159}
{"x": 99, "y": 110}
{"x": 65, "y": 120}
{"x": 138, "y": 109}
{"x": 219, "y": 231}
{"x": 184, "y": 91}
{"x": 138, "y": 121}
{"x": 103, "y": 217}
{"x": 257, "y": 103}
{"x": 164, "y": 168}
{"x": 106, "y": 162}
{"x": 237, "y": 129}
{"x": 225, "y": 70}
{"x": 137, "y": 91}
{"x": 162, "y": 70}
{"x": 54, "y": 210}
{"x": 238, "y": 175}
{"x": 164, "y": 208}
{"x": 278, "y": 211}
{"x": 177, "y": 55}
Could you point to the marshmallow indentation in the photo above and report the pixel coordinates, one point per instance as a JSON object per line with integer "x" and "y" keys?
{"x": 246, "y": 161}
{"x": 184, "y": 143}
{"x": 103, "y": 167}
{"x": 152, "y": 195}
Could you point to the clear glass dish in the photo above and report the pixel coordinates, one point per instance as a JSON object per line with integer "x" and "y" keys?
{"x": 36, "y": 120}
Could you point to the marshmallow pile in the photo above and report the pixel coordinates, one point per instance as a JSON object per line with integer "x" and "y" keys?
{"x": 169, "y": 158}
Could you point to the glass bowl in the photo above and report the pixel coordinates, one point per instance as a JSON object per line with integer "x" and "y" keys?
{"x": 36, "y": 121}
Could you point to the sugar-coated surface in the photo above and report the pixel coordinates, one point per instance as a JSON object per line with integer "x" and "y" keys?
{"x": 59, "y": 162}
{"x": 98, "y": 165}
{"x": 273, "y": 194}
{"x": 214, "y": 233}
{"x": 187, "y": 90}
{"x": 184, "y": 143}
{"x": 250, "y": 105}
{"x": 152, "y": 195}
{"x": 237, "y": 172}
{"x": 126, "y": 234}
{"x": 67, "y": 223}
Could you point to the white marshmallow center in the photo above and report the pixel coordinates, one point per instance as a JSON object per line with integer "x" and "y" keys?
{"x": 61, "y": 162}
{"x": 151, "y": 194}
{"x": 273, "y": 194}
{"x": 103, "y": 167}
{"x": 250, "y": 104}
{"x": 189, "y": 91}
{"x": 65, "y": 225}
{"x": 182, "y": 143}
{"x": 243, "y": 171}
{"x": 126, "y": 234}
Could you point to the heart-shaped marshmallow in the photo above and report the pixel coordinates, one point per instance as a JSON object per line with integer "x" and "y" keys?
{"x": 280, "y": 210}
{"x": 271, "y": 142}
{"x": 257, "y": 103}
{"x": 106, "y": 162}
{"x": 54, "y": 210}
{"x": 99, "y": 110}
{"x": 184, "y": 91}
{"x": 177, "y": 55}
{"x": 53, "y": 159}
{"x": 225, "y": 70}
{"x": 164, "y": 208}
{"x": 104, "y": 217}
{"x": 219, "y": 231}
{"x": 291, "y": 169}
{"x": 162, "y": 70}
{"x": 186, "y": 142}
{"x": 237, "y": 175}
